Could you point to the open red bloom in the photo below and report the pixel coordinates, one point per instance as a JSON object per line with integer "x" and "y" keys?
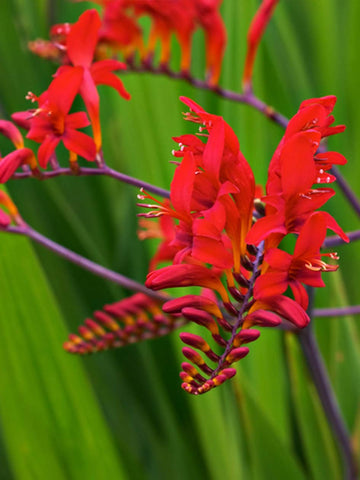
{"x": 294, "y": 169}
{"x": 303, "y": 267}
{"x": 52, "y": 123}
{"x": 81, "y": 43}
{"x": 211, "y": 194}
{"x": 185, "y": 276}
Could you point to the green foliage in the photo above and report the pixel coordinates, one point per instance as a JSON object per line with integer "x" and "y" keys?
{"x": 122, "y": 414}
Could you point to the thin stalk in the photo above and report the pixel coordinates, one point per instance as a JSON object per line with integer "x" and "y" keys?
{"x": 104, "y": 170}
{"x": 247, "y": 98}
{"x": 83, "y": 262}
{"x": 334, "y": 240}
{"x": 328, "y": 400}
{"x": 336, "y": 312}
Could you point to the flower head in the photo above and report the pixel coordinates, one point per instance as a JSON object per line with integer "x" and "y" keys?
{"x": 52, "y": 123}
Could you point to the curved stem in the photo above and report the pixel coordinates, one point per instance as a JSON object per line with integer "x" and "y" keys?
{"x": 247, "y": 98}
{"x": 321, "y": 381}
{"x": 336, "y": 312}
{"x": 346, "y": 189}
{"x": 84, "y": 262}
{"x": 104, "y": 170}
{"x": 334, "y": 240}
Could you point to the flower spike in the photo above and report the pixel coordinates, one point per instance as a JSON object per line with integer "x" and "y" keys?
{"x": 128, "y": 321}
{"x": 215, "y": 241}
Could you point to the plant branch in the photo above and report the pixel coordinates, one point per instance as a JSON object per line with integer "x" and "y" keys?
{"x": 322, "y": 384}
{"x": 337, "y": 312}
{"x": 247, "y": 98}
{"x": 334, "y": 240}
{"x": 86, "y": 171}
{"x": 84, "y": 262}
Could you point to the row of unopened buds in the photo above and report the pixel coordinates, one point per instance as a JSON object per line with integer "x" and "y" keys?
{"x": 128, "y": 321}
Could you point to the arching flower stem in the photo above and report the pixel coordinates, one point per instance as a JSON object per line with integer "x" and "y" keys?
{"x": 334, "y": 240}
{"x": 83, "y": 262}
{"x": 336, "y": 311}
{"x": 104, "y": 170}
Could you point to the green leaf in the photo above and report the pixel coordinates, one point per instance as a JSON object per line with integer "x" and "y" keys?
{"x": 51, "y": 420}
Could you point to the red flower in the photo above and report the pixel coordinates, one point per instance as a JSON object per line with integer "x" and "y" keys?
{"x": 185, "y": 276}
{"x": 81, "y": 43}
{"x": 211, "y": 194}
{"x": 52, "y": 123}
{"x": 303, "y": 267}
{"x": 119, "y": 29}
{"x": 283, "y": 306}
{"x": 293, "y": 170}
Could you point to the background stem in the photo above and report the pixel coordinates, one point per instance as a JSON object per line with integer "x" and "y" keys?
{"x": 328, "y": 400}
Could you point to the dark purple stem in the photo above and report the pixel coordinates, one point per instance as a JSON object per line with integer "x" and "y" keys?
{"x": 248, "y": 98}
{"x": 334, "y": 240}
{"x": 104, "y": 170}
{"x": 321, "y": 381}
{"x": 346, "y": 189}
{"x": 84, "y": 262}
{"x": 244, "y": 306}
{"x": 336, "y": 312}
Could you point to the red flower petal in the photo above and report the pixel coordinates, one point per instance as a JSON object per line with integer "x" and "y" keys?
{"x": 46, "y": 149}
{"x": 270, "y": 284}
{"x": 83, "y": 37}
{"x": 285, "y": 307}
{"x": 182, "y": 184}
{"x": 10, "y": 131}
{"x": 11, "y": 162}
{"x": 80, "y": 143}
{"x": 77, "y": 120}
{"x": 63, "y": 89}
{"x": 102, "y": 75}
{"x": 298, "y": 170}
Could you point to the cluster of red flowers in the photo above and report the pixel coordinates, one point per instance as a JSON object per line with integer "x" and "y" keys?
{"x": 221, "y": 236}
{"x": 218, "y": 231}
{"x": 50, "y": 123}
{"x": 121, "y": 32}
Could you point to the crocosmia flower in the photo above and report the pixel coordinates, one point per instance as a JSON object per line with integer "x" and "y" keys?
{"x": 52, "y": 123}
{"x": 80, "y": 45}
{"x": 221, "y": 239}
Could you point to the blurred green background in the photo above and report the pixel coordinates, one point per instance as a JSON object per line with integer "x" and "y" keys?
{"x": 122, "y": 414}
